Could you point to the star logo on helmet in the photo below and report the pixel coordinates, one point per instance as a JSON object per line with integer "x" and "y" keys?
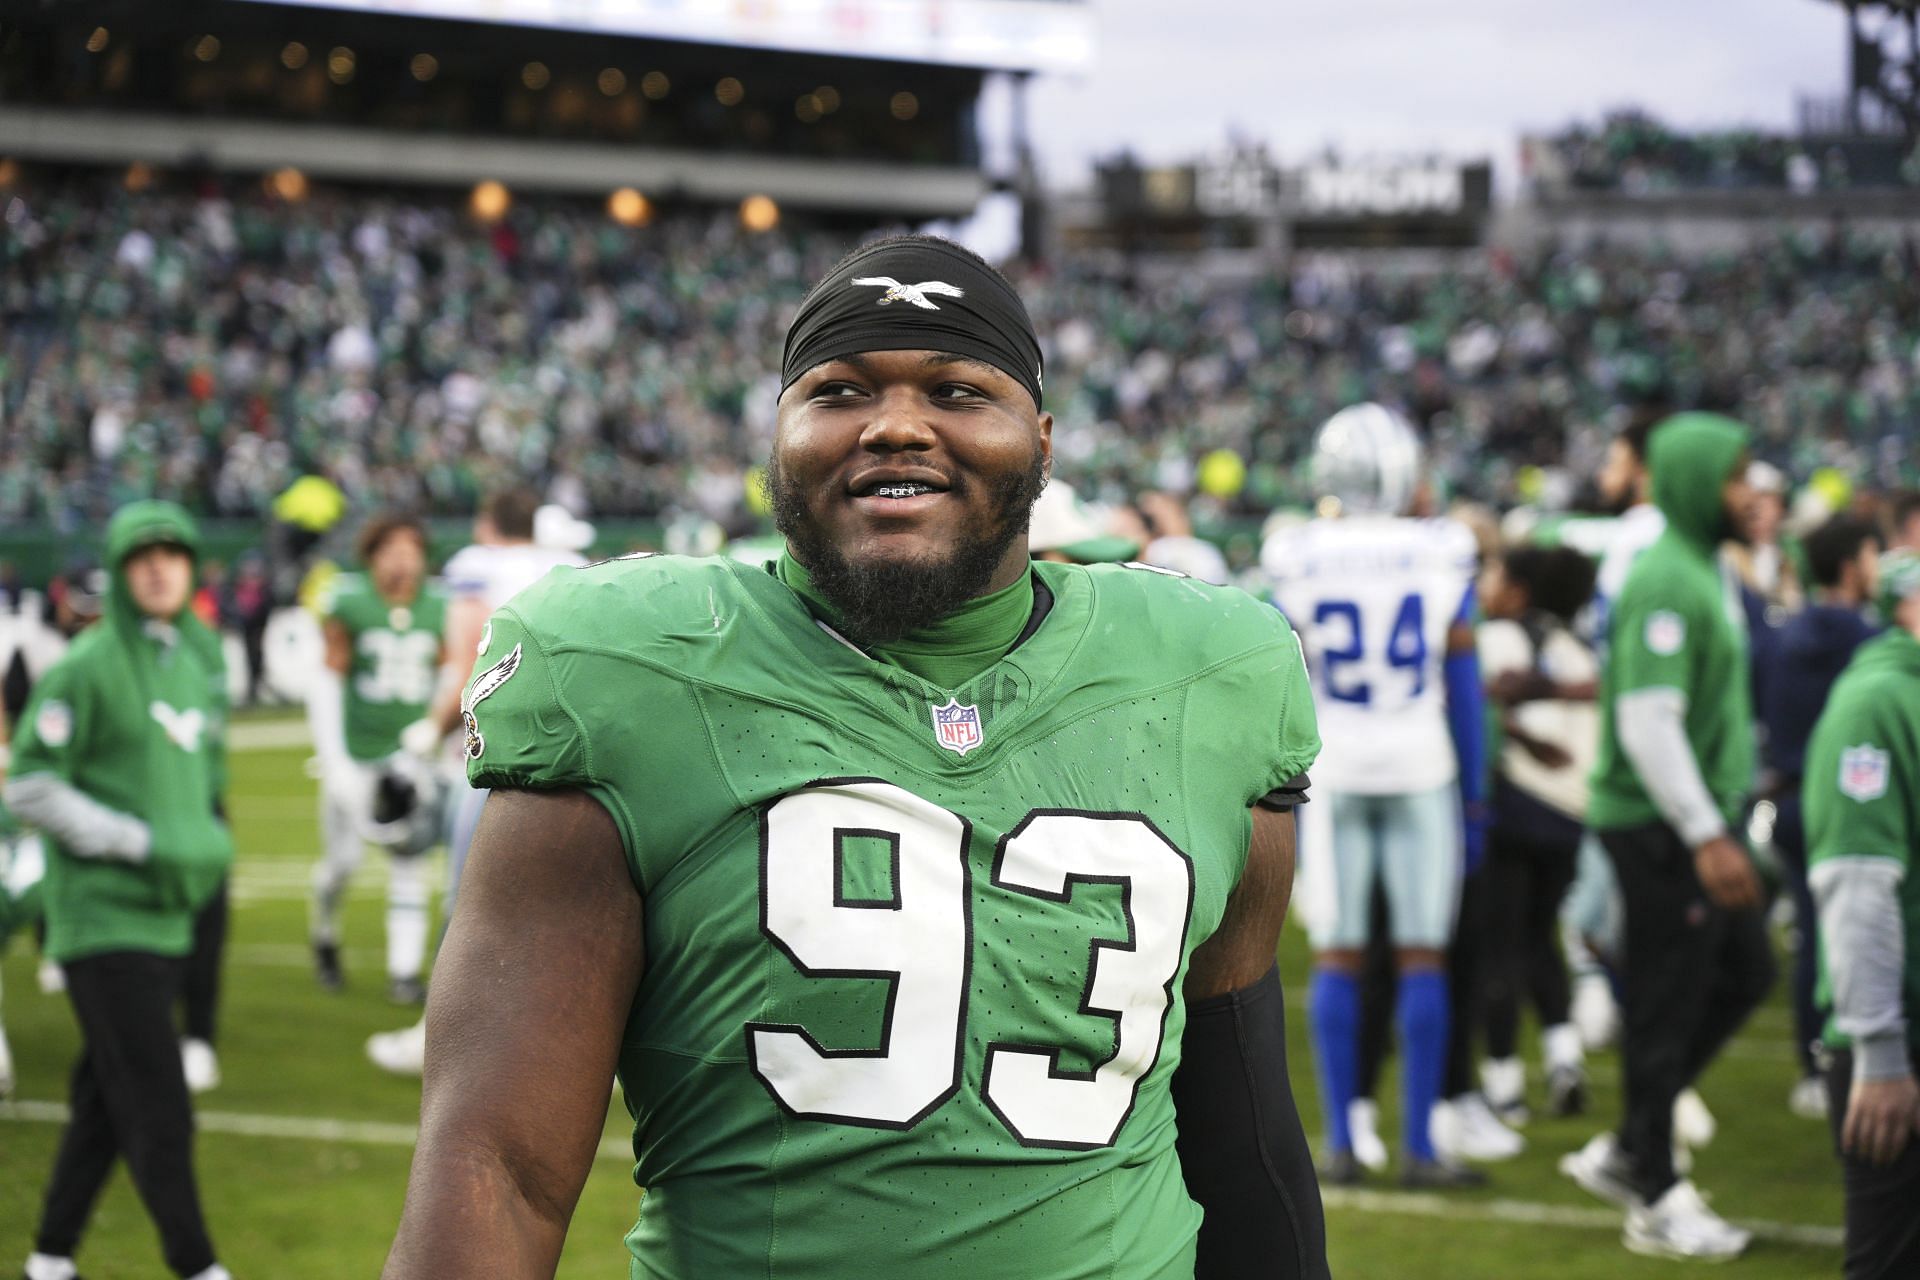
{"x": 914, "y": 293}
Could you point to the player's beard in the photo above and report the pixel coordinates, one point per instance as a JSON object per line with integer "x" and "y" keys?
{"x": 878, "y": 601}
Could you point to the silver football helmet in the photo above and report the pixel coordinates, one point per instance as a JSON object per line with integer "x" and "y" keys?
{"x": 1368, "y": 458}
{"x": 408, "y": 805}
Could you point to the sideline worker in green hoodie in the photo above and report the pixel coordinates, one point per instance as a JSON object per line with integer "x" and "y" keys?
{"x": 1676, "y": 764}
{"x": 1862, "y": 795}
{"x": 119, "y": 761}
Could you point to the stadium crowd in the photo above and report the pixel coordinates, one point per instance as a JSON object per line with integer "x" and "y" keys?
{"x": 211, "y": 344}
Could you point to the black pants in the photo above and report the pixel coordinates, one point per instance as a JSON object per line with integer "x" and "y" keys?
{"x": 129, "y": 1099}
{"x": 1790, "y": 838}
{"x": 1527, "y": 875}
{"x": 201, "y": 987}
{"x": 1694, "y": 972}
{"x": 1883, "y": 1201}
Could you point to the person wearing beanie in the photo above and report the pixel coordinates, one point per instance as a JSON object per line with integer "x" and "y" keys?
{"x": 120, "y": 760}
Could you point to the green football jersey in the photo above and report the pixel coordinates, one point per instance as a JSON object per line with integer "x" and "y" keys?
{"x": 396, "y": 660}
{"x": 914, "y": 955}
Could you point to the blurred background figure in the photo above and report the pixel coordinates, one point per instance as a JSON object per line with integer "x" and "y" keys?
{"x": 1383, "y": 605}
{"x": 1542, "y": 679}
{"x": 1800, "y": 664}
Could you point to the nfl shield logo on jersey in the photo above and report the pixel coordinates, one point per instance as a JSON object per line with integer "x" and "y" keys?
{"x": 957, "y": 728}
{"x": 1863, "y": 772}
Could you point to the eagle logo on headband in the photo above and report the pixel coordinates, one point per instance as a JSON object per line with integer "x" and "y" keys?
{"x": 914, "y": 293}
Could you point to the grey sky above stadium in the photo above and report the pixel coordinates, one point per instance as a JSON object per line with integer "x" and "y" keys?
{"x": 1462, "y": 77}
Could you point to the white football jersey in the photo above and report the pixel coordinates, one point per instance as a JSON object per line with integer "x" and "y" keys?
{"x": 496, "y": 574}
{"x": 1372, "y": 598}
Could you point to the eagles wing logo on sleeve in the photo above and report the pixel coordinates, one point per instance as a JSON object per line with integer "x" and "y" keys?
{"x": 914, "y": 293}
{"x": 484, "y": 686}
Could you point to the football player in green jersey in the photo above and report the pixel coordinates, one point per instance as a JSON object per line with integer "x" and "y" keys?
{"x": 382, "y": 664}
{"x": 924, "y": 897}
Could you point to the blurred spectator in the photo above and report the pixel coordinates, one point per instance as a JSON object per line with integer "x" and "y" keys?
{"x": 249, "y": 605}
{"x": 1801, "y": 663}
{"x": 1170, "y": 542}
{"x": 1542, "y": 676}
{"x": 1906, "y": 522}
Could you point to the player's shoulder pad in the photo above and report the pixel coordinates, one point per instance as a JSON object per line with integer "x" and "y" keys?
{"x": 1198, "y": 621}
{"x": 634, "y": 603}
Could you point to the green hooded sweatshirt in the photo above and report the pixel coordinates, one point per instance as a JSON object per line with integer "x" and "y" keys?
{"x": 135, "y": 718}
{"x": 1678, "y": 624}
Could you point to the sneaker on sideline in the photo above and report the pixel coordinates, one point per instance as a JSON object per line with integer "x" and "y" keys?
{"x": 402, "y": 1052}
{"x": 1363, "y": 1124}
{"x": 1601, "y": 1169}
{"x": 1465, "y": 1128}
{"x": 1680, "y": 1225}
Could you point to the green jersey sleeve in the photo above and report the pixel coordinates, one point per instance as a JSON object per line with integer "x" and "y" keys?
{"x": 51, "y": 725}
{"x": 1857, "y": 804}
{"x": 1299, "y": 731}
{"x": 1656, "y": 644}
{"x": 520, "y": 730}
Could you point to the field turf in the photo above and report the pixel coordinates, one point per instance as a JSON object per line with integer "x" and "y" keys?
{"x": 303, "y": 1149}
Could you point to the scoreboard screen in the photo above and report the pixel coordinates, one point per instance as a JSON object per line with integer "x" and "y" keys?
{"x": 1008, "y": 35}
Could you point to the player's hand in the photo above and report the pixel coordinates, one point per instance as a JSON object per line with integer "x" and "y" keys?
{"x": 1727, "y": 874}
{"x": 1882, "y": 1117}
{"x": 422, "y": 738}
{"x": 1510, "y": 687}
{"x": 1550, "y": 754}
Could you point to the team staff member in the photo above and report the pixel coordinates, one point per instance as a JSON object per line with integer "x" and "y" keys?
{"x": 1676, "y": 761}
{"x": 912, "y": 885}
{"x": 1862, "y": 792}
{"x": 119, "y": 760}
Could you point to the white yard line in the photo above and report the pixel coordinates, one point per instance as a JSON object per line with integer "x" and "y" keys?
{"x": 291, "y": 1128}
{"x": 1394, "y": 1203}
{"x": 269, "y": 735}
{"x": 1427, "y": 1205}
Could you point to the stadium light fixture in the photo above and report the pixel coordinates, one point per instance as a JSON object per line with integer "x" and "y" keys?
{"x": 490, "y": 201}
{"x": 206, "y": 48}
{"x": 424, "y": 67}
{"x": 138, "y": 178}
{"x": 98, "y": 40}
{"x": 829, "y": 98}
{"x": 535, "y": 76}
{"x": 289, "y": 184}
{"x": 612, "y": 82}
{"x": 904, "y": 106}
{"x": 629, "y": 208}
{"x": 656, "y": 85}
{"x": 340, "y": 65}
{"x": 293, "y": 55}
{"x": 729, "y": 91}
{"x": 9, "y": 172}
{"x": 807, "y": 108}
{"x": 759, "y": 213}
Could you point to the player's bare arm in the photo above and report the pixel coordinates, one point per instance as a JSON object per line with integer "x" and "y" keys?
{"x": 1242, "y": 1148}
{"x": 1241, "y": 950}
{"x": 530, "y": 994}
{"x": 466, "y": 621}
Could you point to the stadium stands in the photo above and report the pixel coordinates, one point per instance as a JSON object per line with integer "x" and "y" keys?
{"x": 210, "y": 342}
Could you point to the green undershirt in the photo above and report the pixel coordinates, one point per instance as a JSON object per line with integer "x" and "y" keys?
{"x": 953, "y": 650}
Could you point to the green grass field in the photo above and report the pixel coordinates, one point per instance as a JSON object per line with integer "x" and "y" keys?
{"x": 303, "y": 1149}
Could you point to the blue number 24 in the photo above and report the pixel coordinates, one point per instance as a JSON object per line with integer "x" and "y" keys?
{"x": 1406, "y": 647}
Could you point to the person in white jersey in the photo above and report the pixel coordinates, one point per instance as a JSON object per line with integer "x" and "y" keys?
{"x": 516, "y": 541}
{"x": 1383, "y": 604}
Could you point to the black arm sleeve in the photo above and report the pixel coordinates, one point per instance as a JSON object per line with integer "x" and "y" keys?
{"x": 1289, "y": 794}
{"x": 1241, "y": 1147}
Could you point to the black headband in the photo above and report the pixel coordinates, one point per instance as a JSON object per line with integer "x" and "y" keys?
{"x": 917, "y": 293}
